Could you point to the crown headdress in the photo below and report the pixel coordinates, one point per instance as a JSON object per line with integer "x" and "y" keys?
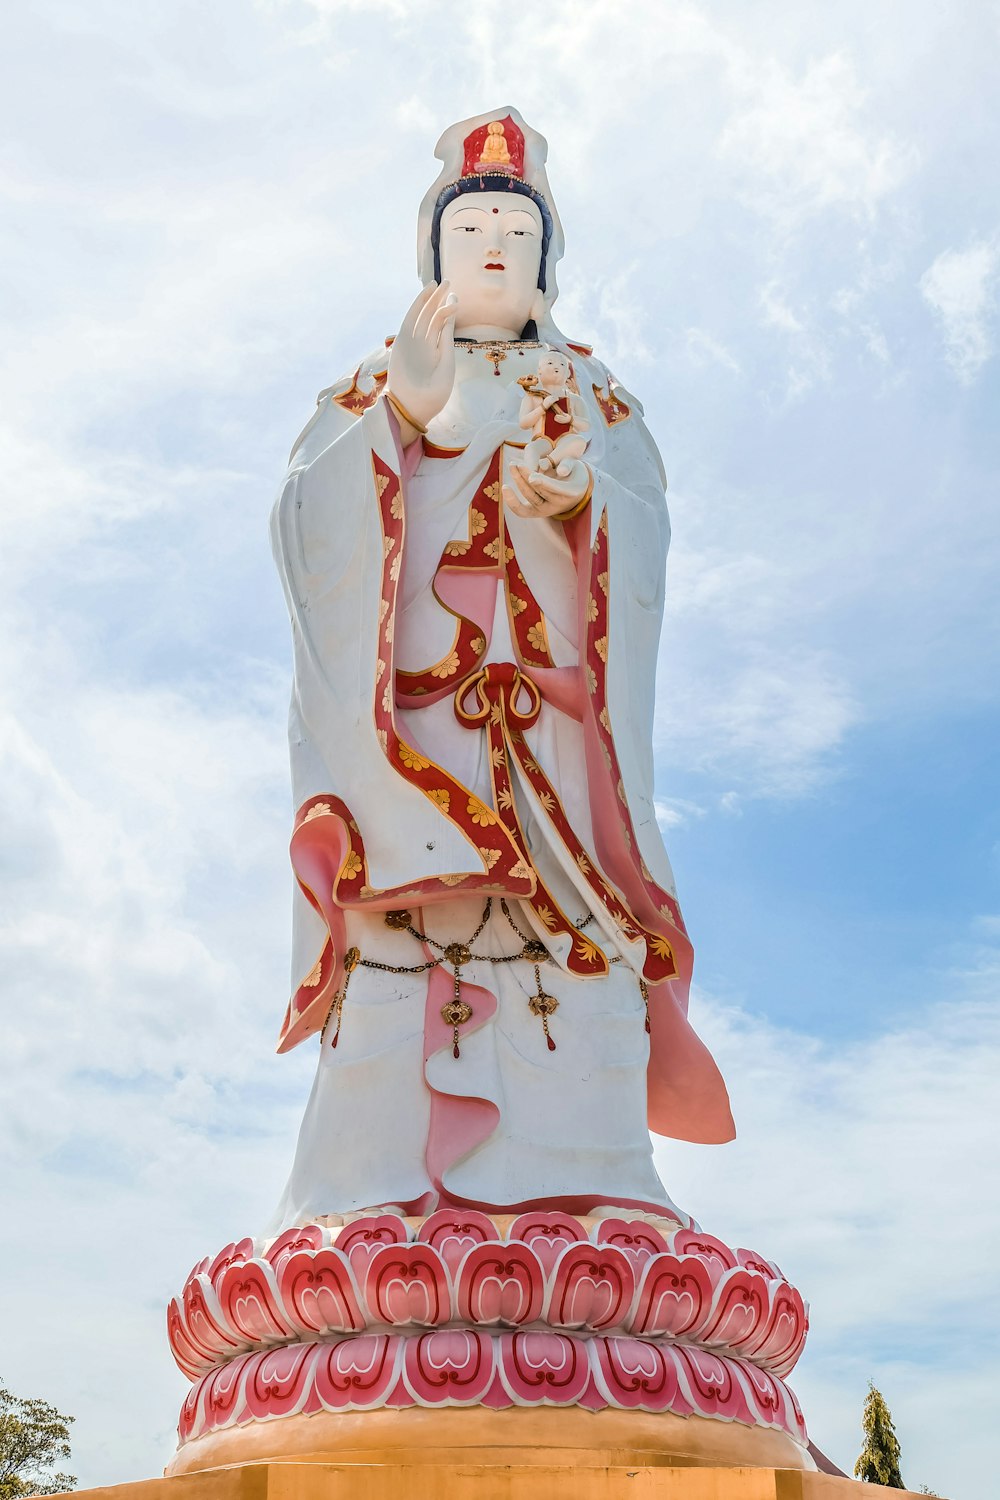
{"x": 496, "y": 148}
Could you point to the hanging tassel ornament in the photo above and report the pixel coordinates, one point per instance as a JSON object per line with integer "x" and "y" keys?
{"x": 543, "y": 1005}
{"x": 644, "y": 992}
{"x": 351, "y": 960}
{"x": 457, "y": 1011}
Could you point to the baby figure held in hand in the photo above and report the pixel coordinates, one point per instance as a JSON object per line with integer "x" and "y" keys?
{"x": 555, "y": 416}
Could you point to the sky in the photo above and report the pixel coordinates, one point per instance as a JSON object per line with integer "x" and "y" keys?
{"x": 783, "y": 233}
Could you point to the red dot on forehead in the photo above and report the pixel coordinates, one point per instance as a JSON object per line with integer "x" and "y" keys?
{"x": 496, "y": 210}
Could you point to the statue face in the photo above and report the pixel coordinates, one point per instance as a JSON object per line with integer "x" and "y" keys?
{"x": 553, "y": 368}
{"x": 491, "y": 249}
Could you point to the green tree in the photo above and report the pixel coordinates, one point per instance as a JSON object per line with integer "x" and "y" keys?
{"x": 878, "y": 1461}
{"x": 33, "y": 1438}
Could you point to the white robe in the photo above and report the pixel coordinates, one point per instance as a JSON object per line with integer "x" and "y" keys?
{"x": 567, "y": 1126}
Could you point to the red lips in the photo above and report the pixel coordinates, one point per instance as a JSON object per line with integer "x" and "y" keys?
{"x": 493, "y": 265}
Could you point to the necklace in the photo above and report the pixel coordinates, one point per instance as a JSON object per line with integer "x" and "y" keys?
{"x": 497, "y": 350}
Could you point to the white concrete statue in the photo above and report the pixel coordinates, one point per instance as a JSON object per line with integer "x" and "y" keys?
{"x": 472, "y": 537}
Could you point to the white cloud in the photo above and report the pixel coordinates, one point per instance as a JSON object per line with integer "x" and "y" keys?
{"x": 612, "y": 308}
{"x": 776, "y": 311}
{"x": 808, "y": 360}
{"x": 774, "y": 718}
{"x": 740, "y": 695}
{"x": 803, "y": 144}
{"x": 961, "y": 289}
{"x": 676, "y": 812}
{"x": 703, "y": 348}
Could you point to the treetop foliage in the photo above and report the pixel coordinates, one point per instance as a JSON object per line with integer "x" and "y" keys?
{"x": 878, "y": 1461}
{"x": 34, "y": 1437}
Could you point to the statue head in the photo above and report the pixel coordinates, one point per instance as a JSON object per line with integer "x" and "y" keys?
{"x": 493, "y": 180}
{"x": 554, "y": 369}
{"x": 491, "y": 249}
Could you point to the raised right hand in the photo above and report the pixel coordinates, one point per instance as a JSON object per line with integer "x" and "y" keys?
{"x": 422, "y": 357}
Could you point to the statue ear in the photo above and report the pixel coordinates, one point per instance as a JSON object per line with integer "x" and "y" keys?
{"x": 538, "y": 305}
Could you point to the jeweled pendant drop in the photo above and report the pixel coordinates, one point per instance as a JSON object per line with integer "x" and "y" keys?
{"x": 550, "y": 1043}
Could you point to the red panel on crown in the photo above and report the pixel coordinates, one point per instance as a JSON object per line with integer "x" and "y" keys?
{"x": 496, "y": 147}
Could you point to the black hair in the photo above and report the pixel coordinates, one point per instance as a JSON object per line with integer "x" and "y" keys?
{"x": 490, "y": 182}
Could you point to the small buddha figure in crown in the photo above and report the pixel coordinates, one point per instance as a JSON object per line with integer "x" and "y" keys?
{"x": 495, "y": 150}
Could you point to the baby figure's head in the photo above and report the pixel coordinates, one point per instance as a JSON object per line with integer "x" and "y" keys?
{"x": 553, "y": 369}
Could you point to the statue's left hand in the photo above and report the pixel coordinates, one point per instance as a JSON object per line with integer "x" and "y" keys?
{"x": 541, "y": 495}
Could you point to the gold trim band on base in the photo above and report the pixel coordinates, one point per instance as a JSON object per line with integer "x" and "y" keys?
{"x": 567, "y": 1436}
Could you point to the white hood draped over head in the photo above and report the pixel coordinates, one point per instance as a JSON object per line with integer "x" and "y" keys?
{"x": 528, "y": 151}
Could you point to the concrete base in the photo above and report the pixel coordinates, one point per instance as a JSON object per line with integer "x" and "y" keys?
{"x": 476, "y": 1481}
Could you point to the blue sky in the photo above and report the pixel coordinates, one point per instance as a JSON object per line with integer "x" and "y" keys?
{"x": 783, "y": 233}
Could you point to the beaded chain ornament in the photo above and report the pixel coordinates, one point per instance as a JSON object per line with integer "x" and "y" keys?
{"x": 496, "y": 350}
{"x": 457, "y": 954}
